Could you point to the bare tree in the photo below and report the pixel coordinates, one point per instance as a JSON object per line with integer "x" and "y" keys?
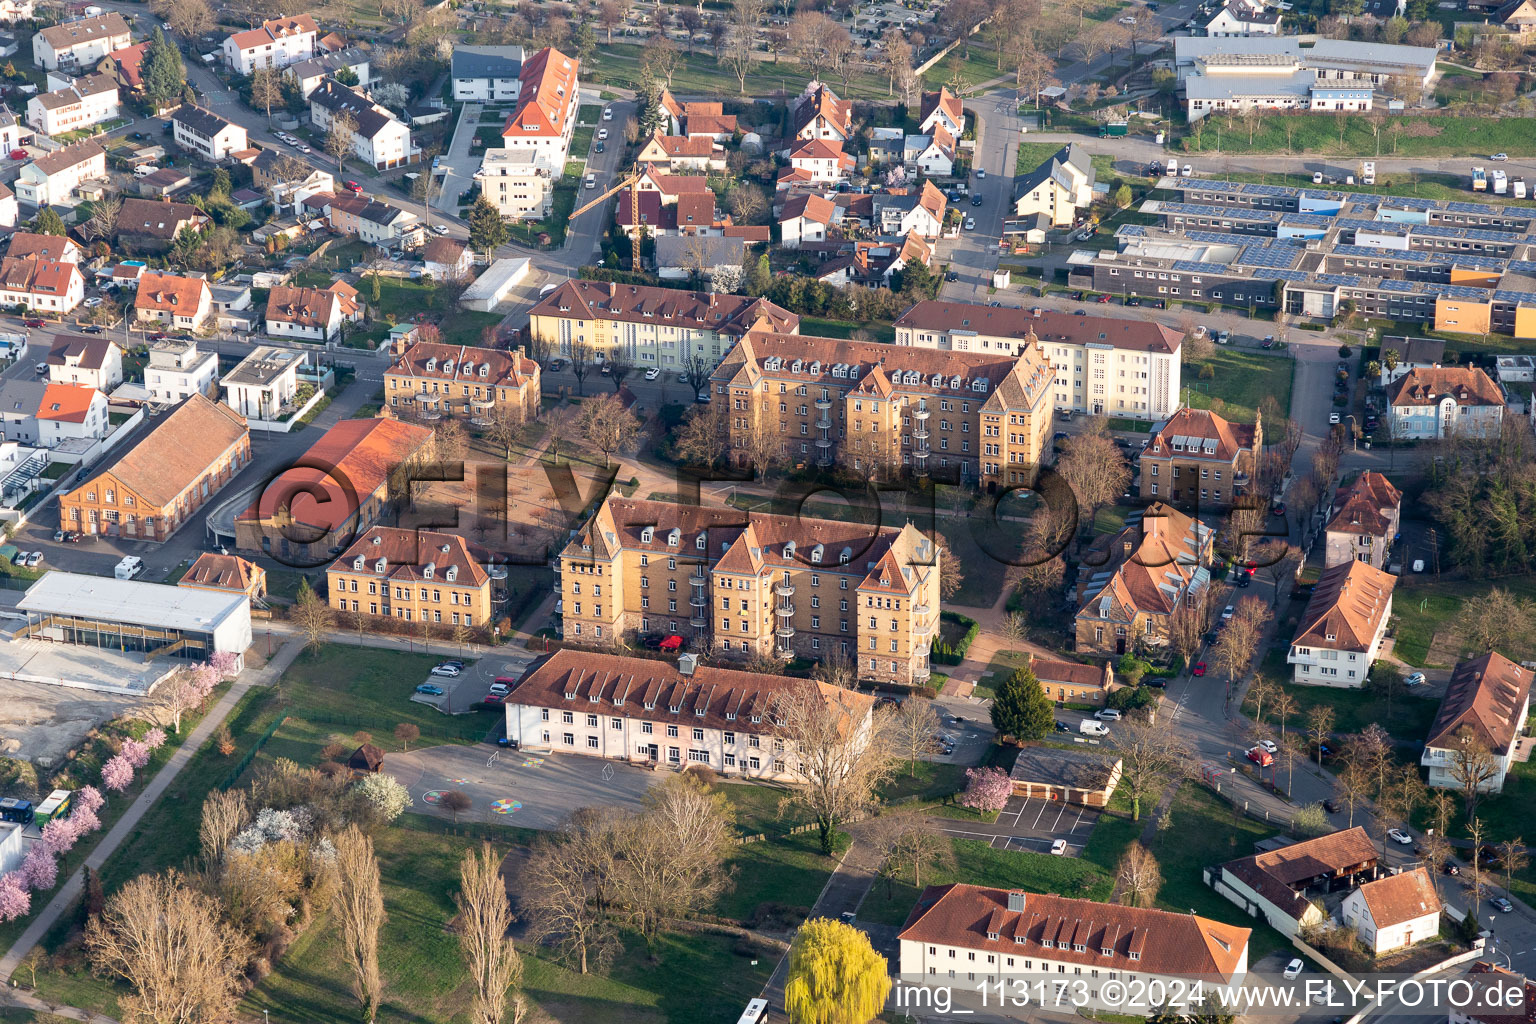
{"x": 1285, "y": 706}
{"x": 562, "y": 907}
{"x": 1139, "y": 876}
{"x": 313, "y": 617}
{"x": 168, "y": 941}
{"x": 835, "y": 669}
{"x": 455, "y": 802}
{"x": 1320, "y": 721}
{"x": 606, "y": 425}
{"x": 740, "y": 54}
{"x": 674, "y": 852}
{"x": 840, "y": 755}
{"x": 1150, "y": 757}
{"x": 265, "y": 90}
{"x": 1354, "y": 781}
{"x": 485, "y": 917}
{"x": 1471, "y": 765}
{"x": 103, "y": 220}
{"x": 338, "y": 139}
{"x": 359, "y": 909}
{"x": 703, "y": 438}
{"x": 619, "y": 366}
{"x": 225, "y": 813}
{"x": 914, "y": 726}
{"x": 1493, "y": 620}
{"x": 407, "y": 734}
{"x": 1093, "y": 467}
{"x": 916, "y": 843}
{"x": 1512, "y": 854}
{"x": 1015, "y": 631}
{"x": 581, "y": 355}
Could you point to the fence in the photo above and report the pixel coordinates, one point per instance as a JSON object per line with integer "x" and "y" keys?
{"x": 250, "y": 755}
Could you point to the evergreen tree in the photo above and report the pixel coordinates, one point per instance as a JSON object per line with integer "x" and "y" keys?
{"x": 586, "y": 42}
{"x": 47, "y": 222}
{"x": 1021, "y": 708}
{"x": 346, "y": 76}
{"x": 487, "y": 230}
{"x": 163, "y": 74}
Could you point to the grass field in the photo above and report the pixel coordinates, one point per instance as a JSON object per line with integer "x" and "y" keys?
{"x": 1408, "y": 720}
{"x": 1240, "y": 382}
{"x": 1448, "y": 135}
{"x": 1426, "y": 610}
{"x": 1032, "y": 155}
{"x": 879, "y": 330}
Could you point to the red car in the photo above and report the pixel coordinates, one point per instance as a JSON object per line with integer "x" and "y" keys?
{"x": 1261, "y": 757}
{"x": 31, "y": 322}
{"x": 354, "y": 186}
{"x": 18, "y": 154}
{"x": 1103, "y": 298}
{"x": 1199, "y": 669}
{"x": 671, "y": 643}
{"x": 493, "y": 698}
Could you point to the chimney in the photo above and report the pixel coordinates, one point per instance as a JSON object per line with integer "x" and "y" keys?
{"x": 1016, "y": 901}
{"x": 613, "y": 289}
{"x": 687, "y": 664}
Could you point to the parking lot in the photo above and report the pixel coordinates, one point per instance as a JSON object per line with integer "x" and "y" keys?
{"x": 469, "y": 687}
{"x": 1031, "y": 825}
{"x": 513, "y": 787}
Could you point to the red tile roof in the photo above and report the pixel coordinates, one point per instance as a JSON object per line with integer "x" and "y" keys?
{"x": 1400, "y": 898}
{"x": 548, "y": 88}
{"x": 943, "y": 98}
{"x": 1491, "y": 981}
{"x": 1076, "y": 931}
{"x": 30, "y": 245}
{"x": 169, "y": 458}
{"x": 305, "y": 307}
{"x": 66, "y": 403}
{"x": 1348, "y": 604}
{"x": 434, "y": 361}
{"x": 278, "y": 28}
{"x": 1359, "y": 508}
{"x": 408, "y": 555}
{"x": 812, "y": 207}
{"x": 1201, "y": 435}
{"x": 1281, "y": 874}
{"x": 1468, "y": 385}
{"x": 728, "y": 314}
{"x": 37, "y": 277}
{"x": 214, "y": 571}
{"x": 170, "y": 293}
{"x": 1487, "y": 695}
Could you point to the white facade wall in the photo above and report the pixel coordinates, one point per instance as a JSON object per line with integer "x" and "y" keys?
{"x": 171, "y": 385}
{"x": 52, "y": 432}
{"x": 1446, "y": 419}
{"x": 487, "y": 90}
{"x": 41, "y": 190}
{"x": 1323, "y": 666}
{"x": 1379, "y": 940}
{"x": 960, "y": 966}
{"x": 86, "y": 111}
{"x": 274, "y": 53}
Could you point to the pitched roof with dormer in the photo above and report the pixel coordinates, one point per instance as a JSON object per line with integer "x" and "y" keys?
{"x": 214, "y": 571}
{"x": 710, "y": 311}
{"x": 1466, "y": 385}
{"x": 1105, "y": 936}
{"x": 1202, "y": 435}
{"x": 31, "y": 245}
{"x": 67, "y": 403}
{"x": 412, "y": 556}
{"x": 546, "y": 91}
{"x": 945, "y": 100}
{"x": 1149, "y": 567}
{"x": 1362, "y": 507}
{"x": 271, "y": 31}
{"x": 1486, "y": 695}
{"x": 307, "y": 307}
{"x": 1347, "y": 608}
{"x": 820, "y": 103}
{"x": 809, "y": 206}
{"x": 1281, "y": 875}
{"x": 171, "y": 293}
{"x": 37, "y": 277}
{"x": 492, "y": 367}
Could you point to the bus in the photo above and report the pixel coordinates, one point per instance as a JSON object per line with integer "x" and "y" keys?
{"x": 756, "y": 1010}
{"x": 56, "y": 806}
{"x": 17, "y": 810}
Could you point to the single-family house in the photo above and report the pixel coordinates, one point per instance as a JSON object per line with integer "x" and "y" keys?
{"x": 1058, "y": 188}
{"x": 897, "y": 213}
{"x": 379, "y": 139}
{"x": 288, "y": 180}
{"x": 79, "y": 44}
{"x": 207, "y": 134}
{"x": 942, "y": 109}
{"x": 12, "y": 11}
{"x": 1394, "y": 912}
{"x": 681, "y": 153}
{"x": 447, "y": 259}
{"x": 820, "y": 161}
{"x": 52, "y": 177}
{"x": 805, "y": 218}
{"x": 41, "y": 285}
{"x": 1364, "y": 521}
{"x": 311, "y": 314}
{"x": 70, "y": 412}
{"x": 371, "y": 220}
{"x": 31, "y": 245}
{"x": 181, "y": 303}
{"x": 1143, "y": 577}
{"x": 1482, "y": 716}
{"x": 933, "y": 154}
{"x": 1238, "y": 18}
{"x": 84, "y": 102}
{"x": 707, "y": 120}
{"x": 273, "y": 44}
{"x": 93, "y": 362}
{"x": 308, "y": 74}
{"x": 151, "y": 226}
{"x": 1341, "y": 631}
{"x": 263, "y": 386}
{"x": 819, "y": 114}
{"x": 177, "y": 369}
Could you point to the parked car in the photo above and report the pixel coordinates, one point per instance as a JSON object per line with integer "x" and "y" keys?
{"x": 1503, "y": 905}
{"x": 92, "y": 328}
{"x": 1261, "y": 757}
{"x": 1414, "y": 679}
{"x": 1107, "y": 715}
{"x": 1062, "y": 727}
{"x": 1198, "y": 669}
{"x": 607, "y": 113}
{"x": 430, "y": 689}
{"x": 445, "y": 670}
{"x": 1294, "y": 968}
{"x": 1400, "y": 837}
{"x": 1331, "y": 806}
{"x": 454, "y": 662}
{"x": 32, "y": 321}
{"x": 951, "y": 276}
{"x": 970, "y": 223}
{"x": 1450, "y": 869}
{"x": 58, "y": 536}
{"x": 353, "y": 186}
{"x": 1269, "y": 746}
{"x": 602, "y": 134}
{"x": 652, "y": 373}
{"x": 980, "y": 173}
{"x": 1499, "y": 156}
{"x": 597, "y": 147}
{"x": 1277, "y": 509}
{"x": 93, "y": 302}
{"x": 1059, "y": 848}
{"x": 1227, "y": 612}
{"x": 1333, "y": 418}
{"x": 1104, "y": 299}
{"x": 34, "y": 559}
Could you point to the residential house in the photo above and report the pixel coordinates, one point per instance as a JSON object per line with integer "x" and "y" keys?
{"x": 151, "y": 226}
{"x": 1239, "y": 18}
{"x": 1364, "y": 521}
{"x": 379, "y": 139}
{"x": 1409, "y": 354}
{"x": 1488, "y": 699}
{"x": 1394, "y": 912}
{"x": 288, "y": 193}
{"x": 333, "y": 492}
{"x": 1072, "y": 682}
{"x": 662, "y": 327}
{"x": 1281, "y": 884}
{"x": 311, "y": 314}
{"x": 447, "y": 259}
{"x": 10, "y": 129}
{"x": 40, "y": 285}
{"x": 805, "y": 218}
{"x": 70, "y": 412}
{"x": 149, "y": 485}
{"x": 371, "y": 220}
{"x": 79, "y": 44}
{"x": 1200, "y": 460}
{"x": 819, "y": 161}
{"x": 94, "y": 362}
{"x": 665, "y": 566}
{"x": 635, "y": 709}
{"x": 207, "y": 134}
{"x": 547, "y": 101}
{"x": 1081, "y": 776}
{"x": 415, "y": 575}
{"x": 819, "y": 114}
{"x": 1517, "y": 16}
{"x": 429, "y": 380}
{"x": 486, "y": 74}
{"x": 230, "y": 573}
{"x": 1154, "y": 569}
{"x": 680, "y": 257}
{"x": 264, "y": 386}
{"x": 165, "y": 182}
{"x": 968, "y": 934}
{"x": 12, "y": 11}
{"x": 308, "y": 74}
{"x": 900, "y": 212}
{"x": 655, "y": 213}
{"x": 1444, "y": 401}
{"x": 181, "y": 303}
{"x": 1342, "y": 629}
{"x": 273, "y": 44}
{"x": 1058, "y": 188}
{"x": 129, "y": 67}
{"x": 707, "y": 120}
{"x": 873, "y": 264}
{"x": 177, "y": 370}
{"x": 518, "y": 183}
{"x": 976, "y": 419}
{"x": 10, "y": 210}
{"x": 942, "y": 109}
{"x": 682, "y": 153}
{"x": 86, "y": 101}
{"x": 672, "y": 113}
{"x": 933, "y": 154}
{"x": 52, "y": 177}
{"x": 19, "y": 401}
{"x": 33, "y": 246}
{"x": 1104, "y": 366}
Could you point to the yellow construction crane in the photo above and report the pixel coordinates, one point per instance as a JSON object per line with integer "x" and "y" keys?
{"x": 634, "y": 211}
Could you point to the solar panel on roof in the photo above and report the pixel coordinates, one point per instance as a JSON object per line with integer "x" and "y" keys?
{"x": 1340, "y": 280}
{"x": 1272, "y": 274}
{"x": 1508, "y": 296}
{"x": 1268, "y": 256}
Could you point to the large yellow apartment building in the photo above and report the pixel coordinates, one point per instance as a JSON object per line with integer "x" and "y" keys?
{"x": 976, "y": 418}
{"x": 738, "y": 584}
{"x": 414, "y": 575}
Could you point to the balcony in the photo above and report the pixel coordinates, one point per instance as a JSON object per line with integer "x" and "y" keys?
{"x": 920, "y": 609}
{"x": 824, "y": 442}
{"x": 482, "y": 404}
{"x": 698, "y": 622}
{"x": 784, "y": 610}
{"x": 823, "y": 403}
{"x": 824, "y": 459}
{"x": 785, "y": 590}
{"x": 921, "y": 453}
{"x": 923, "y": 629}
{"x": 920, "y": 415}
{"x": 920, "y": 432}
{"x": 698, "y": 601}
{"x": 785, "y": 632}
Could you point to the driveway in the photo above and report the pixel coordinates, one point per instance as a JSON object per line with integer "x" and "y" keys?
{"x": 510, "y": 787}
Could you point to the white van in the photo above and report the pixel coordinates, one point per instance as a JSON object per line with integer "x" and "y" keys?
{"x": 129, "y": 567}
{"x": 144, "y": 170}
{"x": 1089, "y": 727}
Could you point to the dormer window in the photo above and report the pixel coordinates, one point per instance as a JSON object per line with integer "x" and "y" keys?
{"x": 992, "y": 935}
{"x": 485, "y": 369}
{"x": 570, "y": 694}
{"x": 1079, "y": 949}
{"x": 699, "y": 712}
{"x": 646, "y": 534}
{"x": 1020, "y": 940}
{"x": 592, "y": 698}
{"x": 1048, "y": 943}
{"x": 1106, "y": 951}
{"x": 674, "y": 708}
{"x": 730, "y": 716}
{"x": 756, "y": 719}
{"x": 453, "y": 573}
{"x": 380, "y": 565}
{"x": 650, "y": 705}
{"x": 357, "y": 563}
{"x": 429, "y": 571}
{"x": 674, "y": 537}
{"x": 1135, "y": 956}
{"x": 702, "y": 543}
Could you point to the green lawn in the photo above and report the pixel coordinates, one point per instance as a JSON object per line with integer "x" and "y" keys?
{"x": 700, "y": 74}
{"x": 1032, "y": 155}
{"x": 1204, "y": 833}
{"x": 979, "y": 864}
{"x": 1112, "y": 834}
{"x": 1448, "y": 135}
{"x": 1240, "y": 382}
{"x": 581, "y": 141}
{"x": 1425, "y": 609}
{"x": 1353, "y": 710}
{"x": 926, "y": 782}
{"x": 783, "y": 869}
{"x": 879, "y": 330}
{"x": 998, "y": 669}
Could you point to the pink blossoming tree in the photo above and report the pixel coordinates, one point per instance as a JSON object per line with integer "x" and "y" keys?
{"x": 117, "y": 773}
{"x": 39, "y": 870}
{"x": 987, "y": 790}
{"x": 15, "y": 901}
{"x": 60, "y": 835}
{"x": 89, "y": 799}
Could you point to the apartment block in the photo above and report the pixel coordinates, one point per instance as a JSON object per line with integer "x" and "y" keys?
{"x": 413, "y": 575}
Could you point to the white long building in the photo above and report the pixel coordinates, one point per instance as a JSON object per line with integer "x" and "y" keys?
{"x": 1104, "y": 366}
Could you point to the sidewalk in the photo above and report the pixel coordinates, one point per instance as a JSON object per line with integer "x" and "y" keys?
{"x": 65, "y": 898}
